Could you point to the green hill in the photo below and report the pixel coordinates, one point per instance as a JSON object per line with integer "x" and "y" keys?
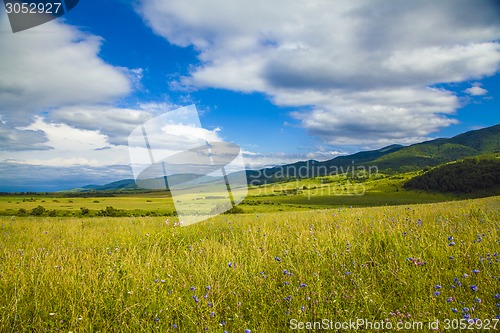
{"x": 391, "y": 159}
{"x": 467, "y": 176}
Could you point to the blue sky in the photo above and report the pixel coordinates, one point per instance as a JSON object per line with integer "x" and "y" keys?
{"x": 286, "y": 81}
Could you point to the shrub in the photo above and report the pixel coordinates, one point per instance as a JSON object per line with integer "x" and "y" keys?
{"x": 37, "y": 211}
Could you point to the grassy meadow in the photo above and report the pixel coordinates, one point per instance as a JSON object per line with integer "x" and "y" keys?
{"x": 258, "y": 271}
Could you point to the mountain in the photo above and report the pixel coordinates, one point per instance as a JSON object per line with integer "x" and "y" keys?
{"x": 126, "y": 184}
{"x": 439, "y": 151}
{"x": 390, "y": 159}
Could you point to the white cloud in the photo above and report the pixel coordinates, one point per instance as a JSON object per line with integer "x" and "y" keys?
{"x": 476, "y": 90}
{"x": 358, "y": 69}
{"x": 54, "y": 65}
{"x": 115, "y": 123}
{"x": 68, "y": 146}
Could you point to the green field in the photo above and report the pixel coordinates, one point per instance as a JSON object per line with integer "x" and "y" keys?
{"x": 264, "y": 272}
{"x": 303, "y": 194}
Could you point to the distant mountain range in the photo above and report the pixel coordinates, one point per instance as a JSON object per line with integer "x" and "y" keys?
{"x": 390, "y": 159}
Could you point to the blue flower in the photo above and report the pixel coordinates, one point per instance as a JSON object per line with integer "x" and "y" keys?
{"x": 248, "y": 331}
{"x": 277, "y": 259}
{"x": 454, "y": 310}
{"x": 476, "y": 271}
{"x": 230, "y": 264}
{"x": 437, "y": 293}
{"x": 477, "y": 300}
{"x": 497, "y": 296}
{"x": 451, "y": 244}
{"x": 450, "y": 238}
{"x": 473, "y": 288}
{"x": 207, "y": 288}
{"x": 437, "y": 286}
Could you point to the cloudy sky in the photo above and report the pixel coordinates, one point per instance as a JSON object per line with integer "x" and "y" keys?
{"x": 286, "y": 80}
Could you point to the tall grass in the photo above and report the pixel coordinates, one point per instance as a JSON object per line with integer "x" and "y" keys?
{"x": 255, "y": 272}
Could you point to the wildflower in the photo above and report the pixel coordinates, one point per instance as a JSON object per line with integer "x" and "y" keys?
{"x": 454, "y": 310}
{"x": 497, "y": 296}
{"x": 157, "y": 319}
{"x": 277, "y": 259}
{"x": 230, "y": 264}
{"x": 475, "y": 271}
{"x": 437, "y": 293}
{"x": 437, "y": 286}
{"x": 207, "y": 287}
{"x": 288, "y": 298}
{"x": 451, "y": 257}
{"x": 477, "y": 300}
{"x": 450, "y": 238}
{"x": 302, "y": 285}
{"x": 302, "y": 308}
{"x": 466, "y": 316}
{"x": 248, "y": 331}
{"x": 451, "y": 244}
{"x": 174, "y": 325}
{"x": 473, "y": 288}
{"x": 450, "y": 299}
{"x": 465, "y": 310}
{"x": 192, "y": 288}
{"x": 212, "y": 314}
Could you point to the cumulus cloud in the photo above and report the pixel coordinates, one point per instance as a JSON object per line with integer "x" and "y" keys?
{"x": 358, "y": 71}
{"x": 115, "y": 123}
{"x": 476, "y": 90}
{"x": 66, "y": 146}
{"x": 54, "y": 65}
